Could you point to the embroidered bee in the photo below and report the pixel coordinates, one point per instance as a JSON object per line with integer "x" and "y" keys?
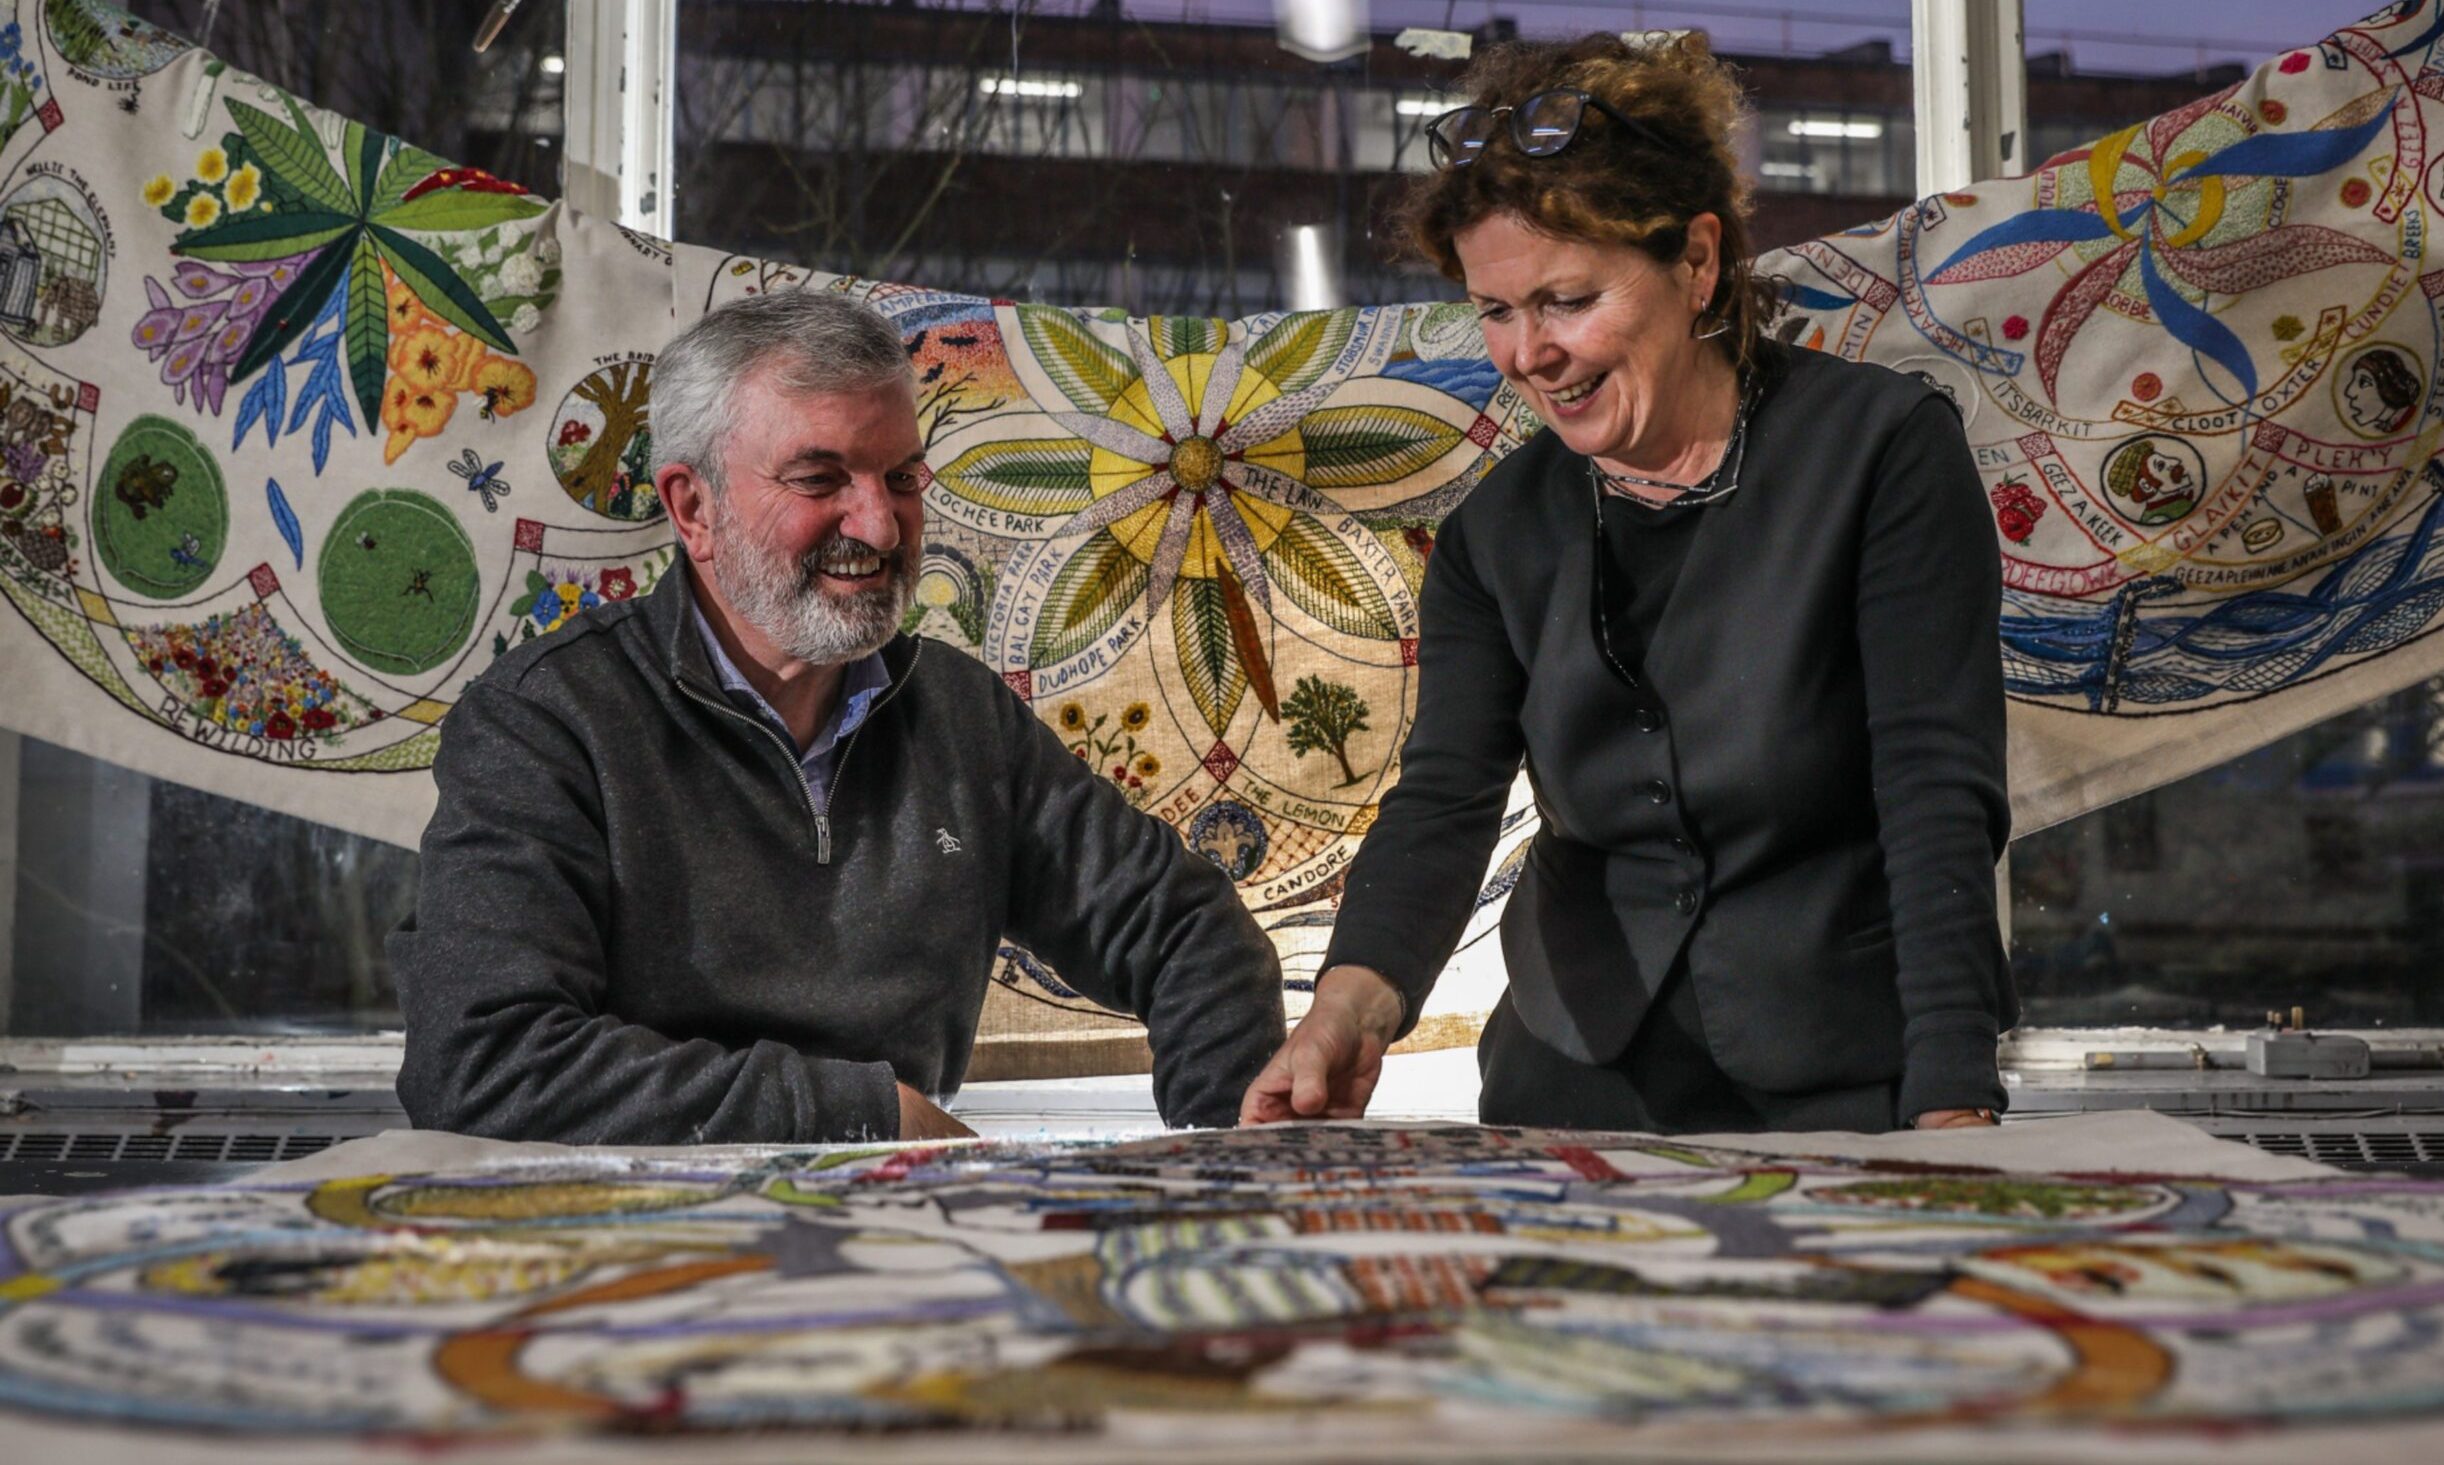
{"x": 367, "y": 542}
{"x": 482, "y": 478}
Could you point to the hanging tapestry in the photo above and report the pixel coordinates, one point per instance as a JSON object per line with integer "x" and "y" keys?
{"x": 2119, "y": 1287}
{"x": 302, "y": 426}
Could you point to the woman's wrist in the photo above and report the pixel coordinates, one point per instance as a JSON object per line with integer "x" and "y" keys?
{"x": 1369, "y": 994}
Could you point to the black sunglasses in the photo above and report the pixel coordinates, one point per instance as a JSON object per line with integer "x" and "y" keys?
{"x": 1541, "y": 126}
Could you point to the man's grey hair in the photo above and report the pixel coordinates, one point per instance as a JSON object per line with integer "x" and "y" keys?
{"x": 814, "y": 340}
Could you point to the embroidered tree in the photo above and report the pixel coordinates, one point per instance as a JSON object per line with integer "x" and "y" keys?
{"x": 1323, "y": 715}
{"x": 619, "y": 393}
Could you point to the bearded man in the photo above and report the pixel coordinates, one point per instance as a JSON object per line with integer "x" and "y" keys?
{"x": 731, "y": 862}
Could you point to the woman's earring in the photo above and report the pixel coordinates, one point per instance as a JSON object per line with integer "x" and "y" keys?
{"x": 1719, "y": 326}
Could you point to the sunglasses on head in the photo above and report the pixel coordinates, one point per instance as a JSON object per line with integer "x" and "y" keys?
{"x": 1541, "y": 126}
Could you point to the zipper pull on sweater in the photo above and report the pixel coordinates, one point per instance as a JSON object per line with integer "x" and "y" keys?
{"x": 823, "y": 839}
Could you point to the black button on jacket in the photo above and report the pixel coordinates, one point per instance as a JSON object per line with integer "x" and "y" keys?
{"x": 1814, "y": 822}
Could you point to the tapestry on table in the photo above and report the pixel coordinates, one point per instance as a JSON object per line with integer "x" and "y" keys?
{"x": 301, "y": 427}
{"x": 1292, "y": 1292}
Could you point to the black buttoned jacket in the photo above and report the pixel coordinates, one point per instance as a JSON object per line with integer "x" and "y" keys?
{"x": 1802, "y": 797}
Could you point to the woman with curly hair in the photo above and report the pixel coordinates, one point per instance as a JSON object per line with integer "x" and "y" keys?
{"x": 1736, "y": 609}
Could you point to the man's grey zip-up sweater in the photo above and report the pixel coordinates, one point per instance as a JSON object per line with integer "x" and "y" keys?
{"x": 634, "y": 926}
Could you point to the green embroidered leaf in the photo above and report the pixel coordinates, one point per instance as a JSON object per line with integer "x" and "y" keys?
{"x": 1200, "y": 626}
{"x": 1321, "y": 573}
{"x": 439, "y": 287}
{"x": 1089, "y": 373}
{"x": 1090, "y": 595}
{"x": 536, "y": 583}
{"x": 408, "y": 167}
{"x": 361, "y": 150}
{"x": 1039, "y": 476}
{"x": 1178, "y": 335}
{"x": 259, "y": 236}
{"x": 286, "y": 318}
{"x": 448, "y": 210}
{"x": 294, "y": 155}
{"x": 1299, "y": 348}
{"x": 1361, "y": 447}
{"x": 365, "y": 327}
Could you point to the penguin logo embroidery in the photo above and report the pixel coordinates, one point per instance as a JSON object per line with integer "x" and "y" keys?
{"x": 946, "y": 841}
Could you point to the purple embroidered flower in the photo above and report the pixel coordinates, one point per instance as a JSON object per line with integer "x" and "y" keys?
{"x": 181, "y": 364}
{"x": 197, "y": 320}
{"x": 25, "y": 461}
{"x": 197, "y": 281}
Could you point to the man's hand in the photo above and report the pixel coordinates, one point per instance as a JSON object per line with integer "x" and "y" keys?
{"x": 921, "y": 1118}
{"x": 1329, "y": 1067}
{"x": 1955, "y": 1119}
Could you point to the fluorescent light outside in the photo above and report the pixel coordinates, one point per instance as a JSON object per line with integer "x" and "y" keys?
{"x": 1039, "y": 91}
{"x": 1315, "y": 275}
{"x": 554, "y": 65}
{"x": 1422, "y": 106}
{"x": 1810, "y": 127}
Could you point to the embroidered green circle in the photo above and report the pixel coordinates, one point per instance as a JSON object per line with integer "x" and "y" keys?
{"x": 160, "y": 513}
{"x": 398, "y": 580}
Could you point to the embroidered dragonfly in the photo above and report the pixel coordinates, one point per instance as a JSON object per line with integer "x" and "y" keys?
{"x": 481, "y": 478}
{"x": 189, "y": 551}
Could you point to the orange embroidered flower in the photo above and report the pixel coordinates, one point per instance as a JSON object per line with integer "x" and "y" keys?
{"x": 505, "y": 385}
{"x": 406, "y": 311}
{"x": 411, "y": 412}
{"x": 430, "y": 358}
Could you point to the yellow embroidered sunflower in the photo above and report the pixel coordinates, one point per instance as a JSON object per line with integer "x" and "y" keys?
{"x": 212, "y": 165}
{"x": 1073, "y": 717}
{"x": 202, "y": 210}
{"x": 157, "y": 192}
{"x": 245, "y": 187}
{"x": 1135, "y": 718}
{"x": 1146, "y": 766}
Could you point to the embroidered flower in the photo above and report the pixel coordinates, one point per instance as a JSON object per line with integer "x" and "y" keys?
{"x": 1135, "y": 717}
{"x": 619, "y": 584}
{"x": 245, "y": 188}
{"x": 411, "y": 413}
{"x": 433, "y": 359}
{"x": 212, "y": 166}
{"x": 158, "y": 192}
{"x": 1147, "y": 765}
{"x": 202, "y": 210}
{"x": 1073, "y": 717}
{"x": 505, "y": 385}
{"x": 573, "y": 432}
{"x": 520, "y": 275}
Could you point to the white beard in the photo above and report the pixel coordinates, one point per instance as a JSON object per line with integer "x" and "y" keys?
{"x": 783, "y": 600}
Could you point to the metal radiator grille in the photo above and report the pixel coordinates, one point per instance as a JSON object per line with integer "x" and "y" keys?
{"x": 125, "y": 1147}
{"x": 2352, "y": 1146}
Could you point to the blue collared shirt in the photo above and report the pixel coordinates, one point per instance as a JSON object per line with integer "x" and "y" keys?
{"x": 861, "y": 683}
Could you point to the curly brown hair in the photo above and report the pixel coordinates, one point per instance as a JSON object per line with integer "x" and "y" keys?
{"x": 1612, "y": 186}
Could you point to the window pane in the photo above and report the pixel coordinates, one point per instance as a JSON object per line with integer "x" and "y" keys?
{"x": 2310, "y": 872}
{"x": 135, "y": 906}
{"x": 144, "y": 907}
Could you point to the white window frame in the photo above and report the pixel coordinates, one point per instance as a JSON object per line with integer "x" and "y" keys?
{"x": 1969, "y": 71}
{"x": 619, "y": 92}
